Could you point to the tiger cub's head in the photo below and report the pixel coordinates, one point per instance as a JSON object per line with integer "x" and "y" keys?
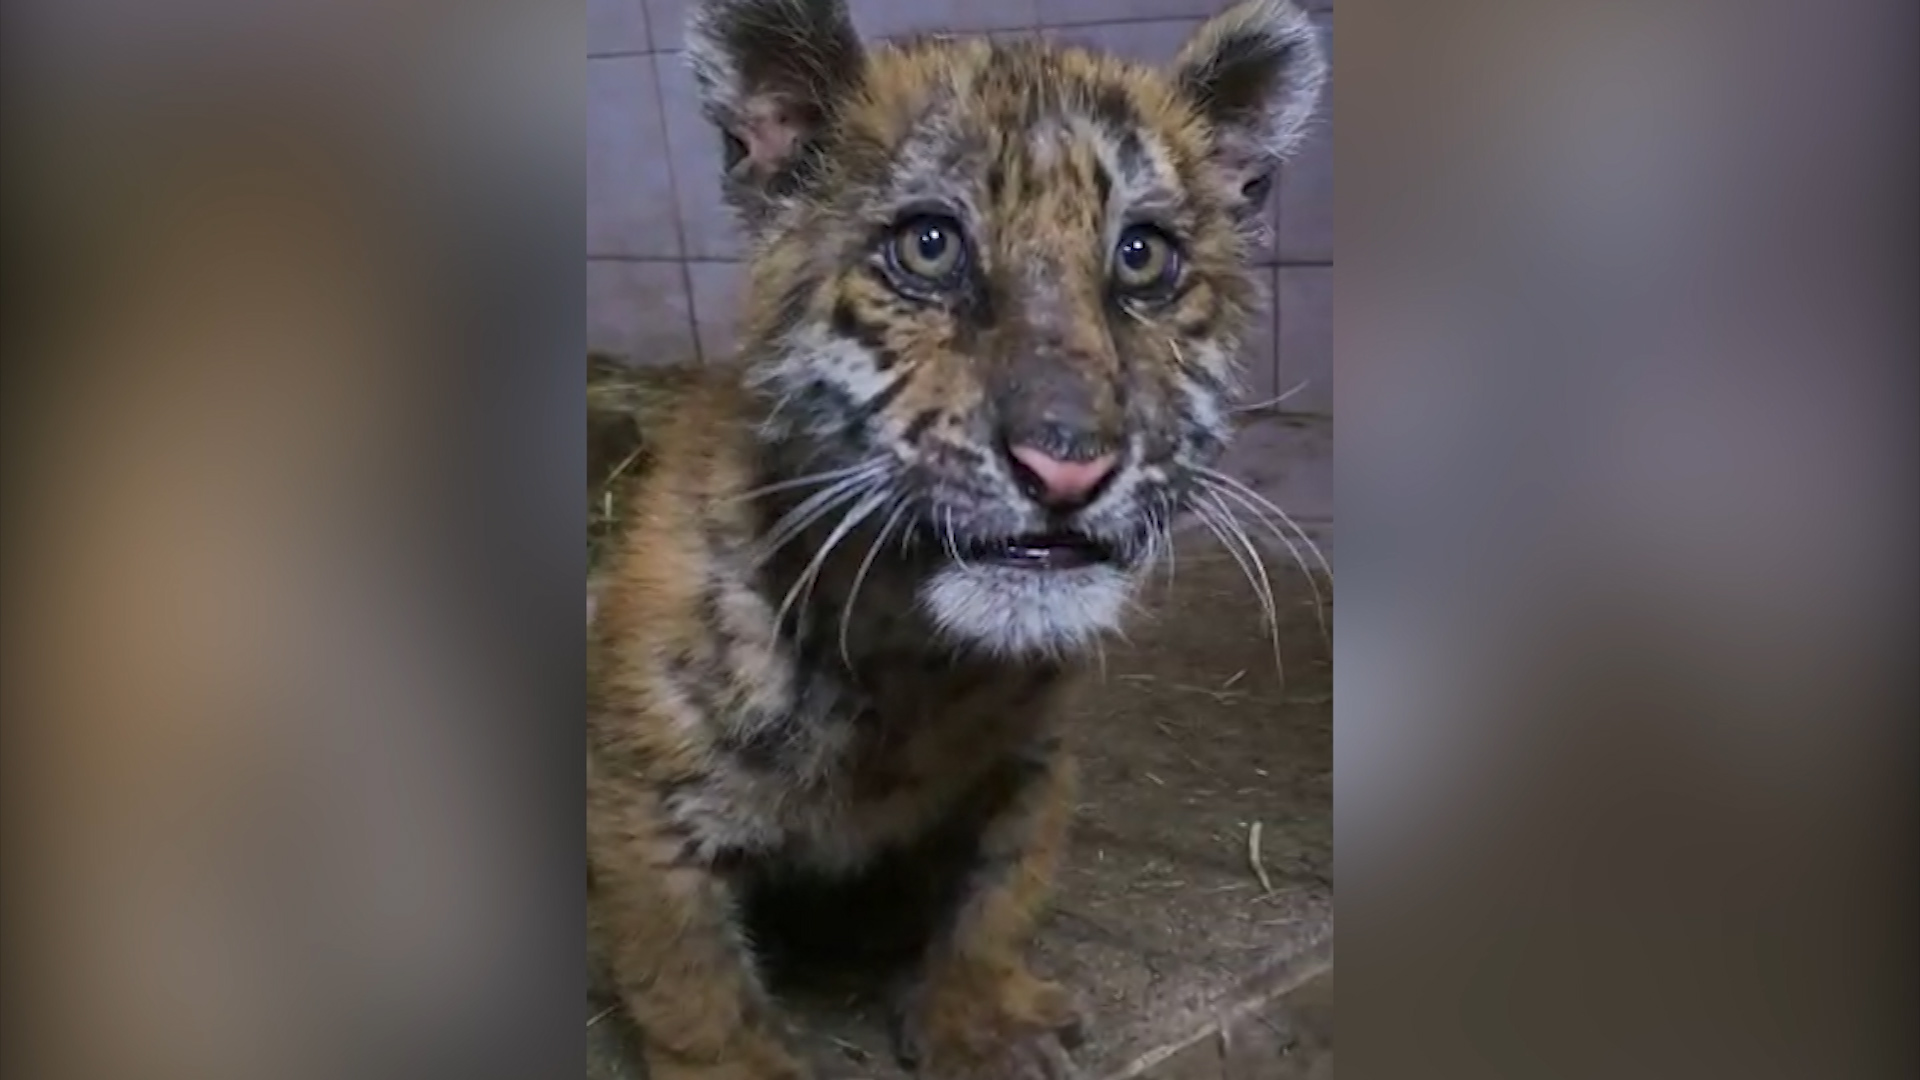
{"x": 997, "y": 290}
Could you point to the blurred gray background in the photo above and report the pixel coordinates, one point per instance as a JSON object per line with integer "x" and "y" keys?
{"x": 663, "y": 269}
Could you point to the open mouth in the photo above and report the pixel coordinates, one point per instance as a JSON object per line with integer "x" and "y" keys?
{"x": 1043, "y": 551}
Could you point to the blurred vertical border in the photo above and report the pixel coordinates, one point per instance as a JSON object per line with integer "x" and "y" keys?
{"x": 294, "y": 427}
{"x": 1627, "y": 723}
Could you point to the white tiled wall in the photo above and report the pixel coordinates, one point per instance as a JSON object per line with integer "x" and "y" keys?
{"x": 630, "y": 205}
{"x": 617, "y": 26}
{"x": 662, "y": 252}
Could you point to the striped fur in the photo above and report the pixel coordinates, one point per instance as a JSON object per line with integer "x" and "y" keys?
{"x": 795, "y": 666}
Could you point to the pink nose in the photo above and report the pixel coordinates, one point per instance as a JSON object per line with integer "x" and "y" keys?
{"x": 1062, "y": 483}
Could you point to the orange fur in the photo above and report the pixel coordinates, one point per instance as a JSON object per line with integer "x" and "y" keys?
{"x": 837, "y": 626}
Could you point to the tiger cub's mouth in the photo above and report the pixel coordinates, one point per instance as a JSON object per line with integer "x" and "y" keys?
{"x": 1042, "y": 551}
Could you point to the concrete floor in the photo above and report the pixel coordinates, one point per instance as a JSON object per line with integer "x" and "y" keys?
{"x": 1192, "y": 966}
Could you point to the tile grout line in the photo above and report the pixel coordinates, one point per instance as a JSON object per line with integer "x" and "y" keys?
{"x": 673, "y": 183}
{"x": 1273, "y": 314}
{"x": 1273, "y": 326}
{"x": 673, "y": 188}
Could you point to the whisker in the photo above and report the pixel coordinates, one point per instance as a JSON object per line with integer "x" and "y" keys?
{"x": 816, "y": 508}
{"x": 849, "y": 520}
{"x": 1149, "y": 557}
{"x": 1257, "y": 406}
{"x": 809, "y": 480}
{"x": 1219, "y": 517}
{"x": 1319, "y": 601}
{"x": 1261, "y": 500}
{"x": 811, "y": 510}
{"x": 953, "y": 542}
{"x": 799, "y": 517}
{"x": 853, "y": 594}
{"x": 1260, "y": 507}
{"x": 1166, "y": 532}
{"x": 1136, "y": 609}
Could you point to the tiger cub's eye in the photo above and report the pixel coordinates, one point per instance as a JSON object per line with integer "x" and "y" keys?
{"x": 928, "y": 248}
{"x": 1145, "y": 261}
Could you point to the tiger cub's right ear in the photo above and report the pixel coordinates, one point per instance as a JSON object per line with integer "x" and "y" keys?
{"x": 771, "y": 74}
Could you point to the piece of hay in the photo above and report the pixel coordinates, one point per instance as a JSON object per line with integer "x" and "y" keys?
{"x": 1257, "y": 858}
{"x": 624, "y": 404}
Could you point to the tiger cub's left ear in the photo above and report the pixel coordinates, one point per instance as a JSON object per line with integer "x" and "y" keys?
{"x": 1256, "y": 72}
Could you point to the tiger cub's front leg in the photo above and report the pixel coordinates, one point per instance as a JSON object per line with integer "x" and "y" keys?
{"x": 668, "y": 924}
{"x": 975, "y": 1011}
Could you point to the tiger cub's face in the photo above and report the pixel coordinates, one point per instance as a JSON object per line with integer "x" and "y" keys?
{"x": 998, "y": 290}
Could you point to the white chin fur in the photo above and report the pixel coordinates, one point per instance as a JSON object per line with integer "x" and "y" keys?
{"x": 1013, "y": 612}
